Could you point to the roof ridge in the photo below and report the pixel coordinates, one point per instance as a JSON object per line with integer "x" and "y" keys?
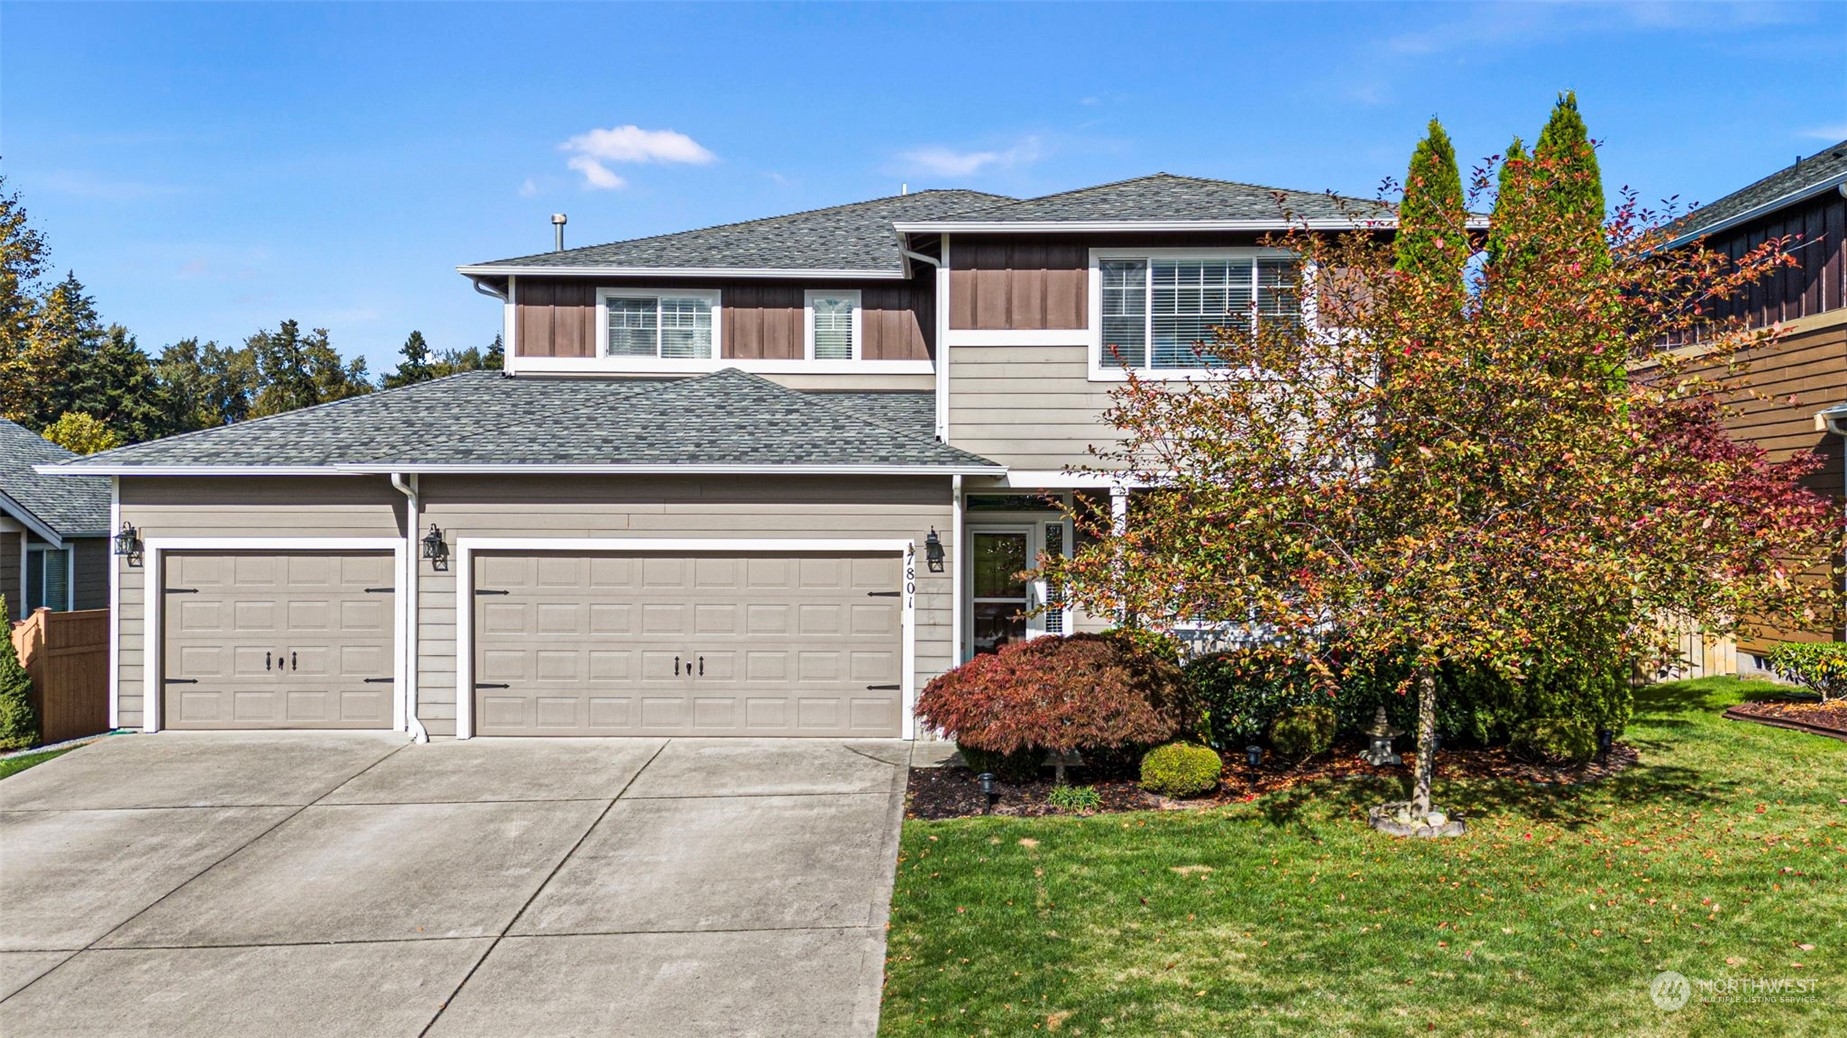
{"x": 754, "y": 220}
{"x": 1167, "y": 176}
{"x": 377, "y": 391}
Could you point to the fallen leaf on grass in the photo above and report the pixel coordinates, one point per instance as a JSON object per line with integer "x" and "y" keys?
{"x": 1056, "y": 1020}
{"x": 1189, "y": 870}
{"x": 1028, "y": 842}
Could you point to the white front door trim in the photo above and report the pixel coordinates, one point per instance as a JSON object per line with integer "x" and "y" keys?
{"x": 153, "y": 593}
{"x": 465, "y": 548}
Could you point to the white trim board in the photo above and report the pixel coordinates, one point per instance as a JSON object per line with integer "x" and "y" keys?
{"x": 657, "y": 366}
{"x": 491, "y": 469}
{"x": 462, "y": 564}
{"x": 153, "y": 595}
{"x": 538, "y": 270}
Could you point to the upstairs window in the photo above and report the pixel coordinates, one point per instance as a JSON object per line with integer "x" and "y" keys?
{"x": 833, "y": 325}
{"x": 672, "y": 325}
{"x": 1158, "y": 311}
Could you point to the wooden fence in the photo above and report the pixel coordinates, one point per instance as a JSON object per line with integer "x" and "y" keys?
{"x": 67, "y": 655}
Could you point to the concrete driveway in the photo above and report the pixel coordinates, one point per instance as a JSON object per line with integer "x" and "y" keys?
{"x": 333, "y": 884}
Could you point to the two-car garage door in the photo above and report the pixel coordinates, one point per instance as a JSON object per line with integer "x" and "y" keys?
{"x": 712, "y": 643}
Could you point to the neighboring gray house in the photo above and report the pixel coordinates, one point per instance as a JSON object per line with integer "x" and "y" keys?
{"x": 759, "y": 479}
{"x": 53, "y": 529}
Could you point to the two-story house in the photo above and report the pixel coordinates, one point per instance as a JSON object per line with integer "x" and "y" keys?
{"x": 759, "y": 479}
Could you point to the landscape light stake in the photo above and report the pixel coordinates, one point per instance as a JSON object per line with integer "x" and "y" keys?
{"x": 1253, "y": 756}
{"x": 1605, "y": 739}
{"x": 987, "y": 791}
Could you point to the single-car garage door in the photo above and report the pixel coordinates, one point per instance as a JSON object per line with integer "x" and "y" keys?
{"x": 702, "y": 644}
{"x": 277, "y": 640}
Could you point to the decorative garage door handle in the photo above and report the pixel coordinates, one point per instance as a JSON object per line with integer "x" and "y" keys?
{"x": 378, "y": 681}
{"x": 490, "y": 591}
{"x": 883, "y": 594}
{"x": 182, "y": 681}
{"x": 492, "y": 684}
{"x": 291, "y": 661}
{"x": 266, "y": 661}
{"x": 882, "y": 688}
{"x": 676, "y": 666}
{"x": 702, "y": 666}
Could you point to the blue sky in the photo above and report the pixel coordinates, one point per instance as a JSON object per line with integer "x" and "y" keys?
{"x": 210, "y": 170}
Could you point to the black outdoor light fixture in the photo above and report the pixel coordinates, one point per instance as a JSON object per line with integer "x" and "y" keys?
{"x": 1253, "y": 755}
{"x": 128, "y": 541}
{"x": 433, "y": 547}
{"x": 987, "y": 790}
{"x": 1605, "y": 740}
{"x": 933, "y": 551}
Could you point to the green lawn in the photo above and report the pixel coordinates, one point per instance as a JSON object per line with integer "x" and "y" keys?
{"x": 14, "y": 765}
{"x": 1720, "y": 855}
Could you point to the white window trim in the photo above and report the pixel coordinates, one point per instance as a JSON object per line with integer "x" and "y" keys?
{"x": 464, "y": 569}
{"x": 602, "y": 358}
{"x": 1101, "y": 372}
{"x": 859, "y": 310}
{"x": 153, "y": 584}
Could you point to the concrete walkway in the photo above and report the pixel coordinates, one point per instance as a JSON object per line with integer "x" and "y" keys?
{"x": 331, "y": 884}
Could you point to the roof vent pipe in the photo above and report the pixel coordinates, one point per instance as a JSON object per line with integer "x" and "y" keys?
{"x": 558, "y": 221}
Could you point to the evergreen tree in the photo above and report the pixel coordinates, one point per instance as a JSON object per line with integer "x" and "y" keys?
{"x": 295, "y": 370}
{"x": 1572, "y": 185}
{"x": 18, "y": 723}
{"x": 115, "y": 384}
{"x": 63, "y": 334}
{"x": 1510, "y": 201}
{"x": 415, "y": 367}
{"x": 496, "y": 356}
{"x": 1433, "y": 240}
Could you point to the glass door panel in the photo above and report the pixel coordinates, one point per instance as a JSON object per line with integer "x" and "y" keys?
{"x": 999, "y": 600}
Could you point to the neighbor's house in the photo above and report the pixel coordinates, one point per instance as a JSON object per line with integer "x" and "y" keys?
{"x": 1798, "y": 397}
{"x": 53, "y": 529}
{"x": 758, "y": 479}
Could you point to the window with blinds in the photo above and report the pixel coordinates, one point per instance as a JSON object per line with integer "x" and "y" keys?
{"x": 833, "y": 325}
{"x": 1165, "y": 313}
{"x": 48, "y": 579}
{"x": 672, "y": 327}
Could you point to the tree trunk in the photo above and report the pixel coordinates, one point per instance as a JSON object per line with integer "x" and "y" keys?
{"x": 1426, "y": 735}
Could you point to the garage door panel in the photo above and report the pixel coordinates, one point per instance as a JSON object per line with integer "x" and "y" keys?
{"x": 789, "y": 643}
{"x": 278, "y": 640}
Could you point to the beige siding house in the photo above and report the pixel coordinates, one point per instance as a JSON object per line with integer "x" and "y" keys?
{"x": 53, "y": 531}
{"x": 762, "y": 479}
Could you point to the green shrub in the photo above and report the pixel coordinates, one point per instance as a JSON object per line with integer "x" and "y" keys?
{"x": 1180, "y": 769}
{"x": 1074, "y": 798}
{"x": 1821, "y": 667}
{"x": 18, "y": 723}
{"x": 1241, "y": 691}
{"x": 1301, "y": 732}
{"x": 1553, "y": 740}
{"x": 1017, "y": 768}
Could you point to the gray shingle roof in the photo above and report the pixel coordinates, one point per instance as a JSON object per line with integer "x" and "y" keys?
{"x": 1165, "y": 197}
{"x": 857, "y": 237}
{"x": 70, "y": 507}
{"x": 727, "y": 418}
{"x": 1824, "y": 168}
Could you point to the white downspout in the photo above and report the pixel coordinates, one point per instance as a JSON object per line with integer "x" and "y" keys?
{"x": 413, "y": 514}
{"x": 956, "y": 658}
{"x": 942, "y": 335}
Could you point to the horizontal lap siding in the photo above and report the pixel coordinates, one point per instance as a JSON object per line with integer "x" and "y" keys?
{"x": 243, "y": 507}
{"x": 1029, "y": 407}
{"x": 762, "y": 319}
{"x": 9, "y": 575}
{"x": 90, "y": 561}
{"x": 881, "y": 508}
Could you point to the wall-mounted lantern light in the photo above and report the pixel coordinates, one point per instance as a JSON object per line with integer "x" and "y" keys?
{"x": 128, "y": 542}
{"x": 433, "y": 547}
{"x": 933, "y": 551}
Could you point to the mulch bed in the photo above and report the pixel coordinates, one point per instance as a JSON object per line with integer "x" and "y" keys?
{"x": 1802, "y": 714}
{"x": 953, "y": 792}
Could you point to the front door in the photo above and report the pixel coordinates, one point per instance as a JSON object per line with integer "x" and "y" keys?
{"x": 1002, "y": 602}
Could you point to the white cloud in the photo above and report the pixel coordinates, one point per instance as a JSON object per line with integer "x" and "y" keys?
{"x": 629, "y": 144}
{"x": 952, "y": 162}
{"x": 528, "y": 189}
{"x": 1836, "y": 132}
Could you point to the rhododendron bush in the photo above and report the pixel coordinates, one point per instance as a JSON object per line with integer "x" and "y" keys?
{"x": 1453, "y": 465}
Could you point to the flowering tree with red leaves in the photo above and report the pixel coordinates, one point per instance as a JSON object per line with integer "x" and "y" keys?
{"x": 1455, "y": 475}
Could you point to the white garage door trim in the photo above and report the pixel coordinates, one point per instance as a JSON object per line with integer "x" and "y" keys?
{"x": 463, "y": 567}
{"x": 153, "y": 577}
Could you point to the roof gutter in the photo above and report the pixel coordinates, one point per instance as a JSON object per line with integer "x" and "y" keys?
{"x": 385, "y": 469}
{"x": 489, "y": 290}
{"x": 503, "y": 270}
{"x": 1837, "y": 182}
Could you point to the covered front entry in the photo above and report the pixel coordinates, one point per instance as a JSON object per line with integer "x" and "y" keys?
{"x": 688, "y": 643}
{"x": 266, "y": 639}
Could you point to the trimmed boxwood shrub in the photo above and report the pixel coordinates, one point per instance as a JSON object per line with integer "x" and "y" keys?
{"x": 1553, "y": 740}
{"x": 1180, "y": 769}
{"x": 1064, "y": 695}
{"x": 1301, "y": 732}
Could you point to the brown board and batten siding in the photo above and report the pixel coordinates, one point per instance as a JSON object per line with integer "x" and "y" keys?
{"x": 1008, "y": 284}
{"x": 1817, "y": 228}
{"x": 762, "y": 319}
{"x": 676, "y": 507}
